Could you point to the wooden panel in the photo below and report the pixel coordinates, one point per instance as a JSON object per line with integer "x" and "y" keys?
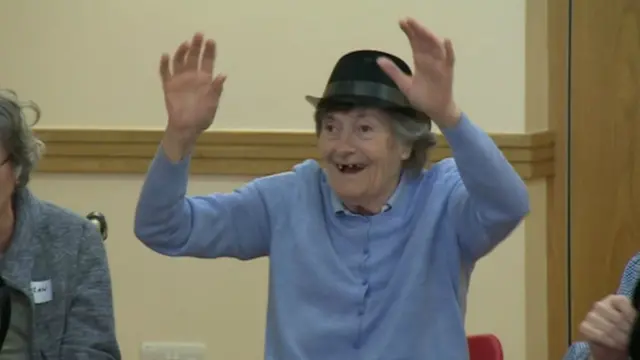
{"x": 557, "y": 252}
{"x": 604, "y": 148}
{"x": 241, "y": 153}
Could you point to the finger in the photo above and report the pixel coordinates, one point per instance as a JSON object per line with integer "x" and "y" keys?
{"x": 400, "y": 78}
{"x": 449, "y": 53}
{"x": 404, "y": 26}
{"x": 195, "y": 51}
{"x": 593, "y": 333}
{"x": 209, "y": 56}
{"x": 165, "y": 72}
{"x": 217, "y": 86}
{"x": 629, "y": 318}
{"x": 624, "y": 306}
{"x": 604, "y": 311}
{"x": 610, "y": 325}
{"x": 600, "y": 321}
{"x": 423, "y": 33}
{"x": 179, "y": 57}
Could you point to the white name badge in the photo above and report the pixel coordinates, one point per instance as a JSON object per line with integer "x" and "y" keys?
{"x": 42, "y": 292}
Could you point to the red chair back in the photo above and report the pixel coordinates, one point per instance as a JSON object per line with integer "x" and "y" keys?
{"x": 484, "y": 347}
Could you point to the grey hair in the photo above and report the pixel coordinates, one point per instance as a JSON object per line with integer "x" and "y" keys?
{"x": 418, "y": 136}
{"x": 16, "y": 136}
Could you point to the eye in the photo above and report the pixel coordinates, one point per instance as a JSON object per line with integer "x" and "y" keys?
{"x": 329, "y": 128}
{"x": 365, "y": 128}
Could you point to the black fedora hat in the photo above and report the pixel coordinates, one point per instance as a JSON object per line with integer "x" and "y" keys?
{"x": 358, "y": 79}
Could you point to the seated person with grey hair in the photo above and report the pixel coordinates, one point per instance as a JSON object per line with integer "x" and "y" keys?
{"x": 53, "y": 264}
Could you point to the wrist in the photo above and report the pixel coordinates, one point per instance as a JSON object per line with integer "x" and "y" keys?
{"x": 178, "y": 144}
{"x": 449, "y": 118}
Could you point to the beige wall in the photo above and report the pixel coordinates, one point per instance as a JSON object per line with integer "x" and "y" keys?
{"x": 94, "y": 64}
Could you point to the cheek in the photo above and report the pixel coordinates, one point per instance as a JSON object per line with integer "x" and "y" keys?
{"x": 385, "y": 164}
{"x": 7, "y": 177}
{"x": 382, "y": 173}
{"x": 377, "y": 176}
{"x": 7, "y": 185}
{"x": 324, "y": 146}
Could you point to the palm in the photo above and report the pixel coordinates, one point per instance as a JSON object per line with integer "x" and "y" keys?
{"x": 191, "y": 91}
{"x": 430, "y": 89}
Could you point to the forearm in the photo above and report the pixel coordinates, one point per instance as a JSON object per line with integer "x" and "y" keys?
{"x": 489, "y": 178}
{"x": 161, "y": 209}
{"x": 215, "y": 225}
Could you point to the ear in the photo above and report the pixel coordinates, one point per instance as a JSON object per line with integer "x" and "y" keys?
{"x": 406, "y": 152}
{"x": 16, "y": 174}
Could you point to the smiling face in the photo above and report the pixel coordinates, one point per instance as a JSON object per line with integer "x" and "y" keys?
{"x": 361, "y": 156}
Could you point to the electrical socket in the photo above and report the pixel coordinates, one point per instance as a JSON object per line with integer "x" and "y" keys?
{"x": 173, "y": 351}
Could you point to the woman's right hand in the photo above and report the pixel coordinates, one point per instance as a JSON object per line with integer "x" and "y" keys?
{"x": 191, "y": 92}
{"x": 607, "y": 327}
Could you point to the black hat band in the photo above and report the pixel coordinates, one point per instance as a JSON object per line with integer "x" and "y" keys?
{"x": 368, "y": 89}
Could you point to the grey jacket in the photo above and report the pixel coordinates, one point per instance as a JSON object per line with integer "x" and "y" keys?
{"x": 55, "y": 246}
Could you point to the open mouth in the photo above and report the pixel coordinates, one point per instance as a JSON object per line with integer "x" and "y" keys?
{"x": 350, "y": 168}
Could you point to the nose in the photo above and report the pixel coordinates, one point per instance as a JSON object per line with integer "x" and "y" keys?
{"x": 344, "y": 145}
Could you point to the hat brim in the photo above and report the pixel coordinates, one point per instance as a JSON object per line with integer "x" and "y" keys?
{"x": 313, "y": 100}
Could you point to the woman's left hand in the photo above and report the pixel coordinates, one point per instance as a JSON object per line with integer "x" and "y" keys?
{"x": 430, "y": 89}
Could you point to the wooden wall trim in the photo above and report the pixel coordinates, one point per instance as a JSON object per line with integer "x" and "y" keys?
{"x": 558, "y": 15}
{"x": 246, "y": 153}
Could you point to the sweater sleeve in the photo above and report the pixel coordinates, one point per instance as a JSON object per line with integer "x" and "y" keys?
{"x": 489, "y": 198}
{"x": 235, "y": 224}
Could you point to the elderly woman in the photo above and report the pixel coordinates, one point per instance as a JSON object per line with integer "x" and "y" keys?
{"x": 52, "y": 262}
{"x": 370, "y": 255}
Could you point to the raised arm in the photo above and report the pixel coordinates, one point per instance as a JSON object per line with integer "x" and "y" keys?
{"x": 168, "y": 221}
{"x": 489, "y": 198}
{"x": 232, "y": 224}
